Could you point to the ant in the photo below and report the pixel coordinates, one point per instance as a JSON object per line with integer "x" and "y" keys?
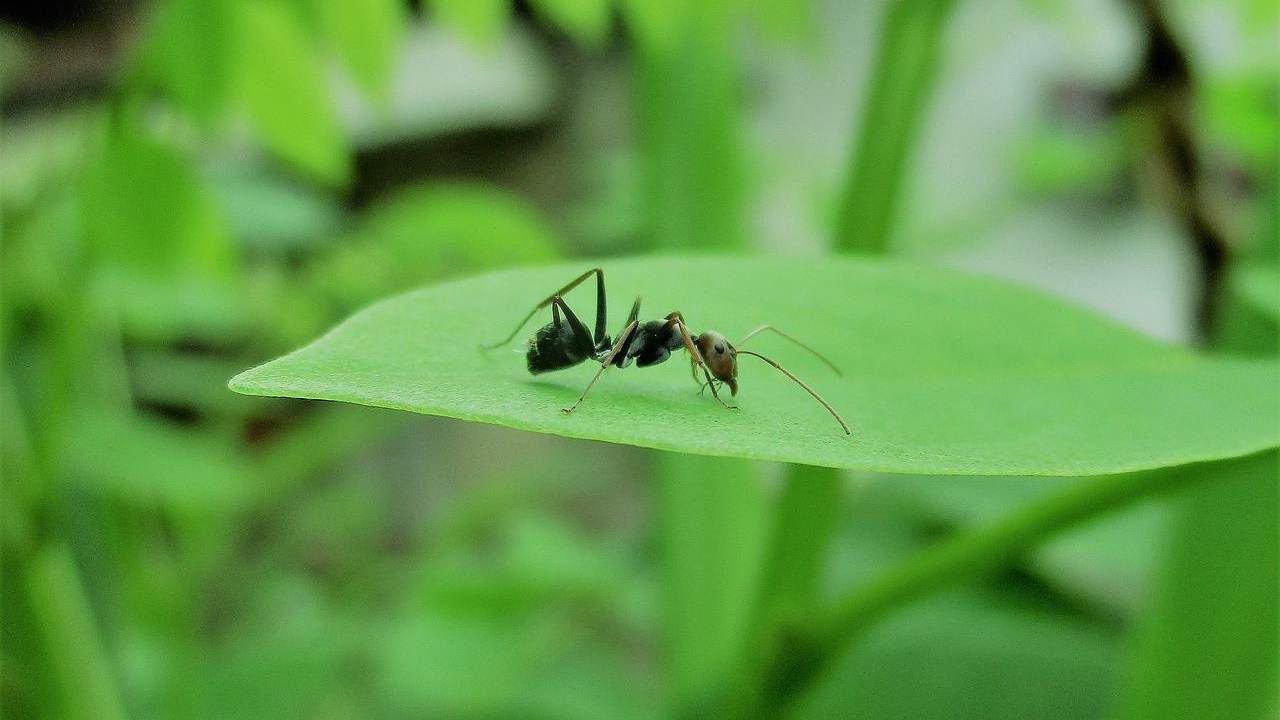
{"x": 565, "y": 342}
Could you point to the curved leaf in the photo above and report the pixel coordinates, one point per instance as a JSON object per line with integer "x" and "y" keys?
{"x": 286, "y": 96}
{"x": 944, "y": 373}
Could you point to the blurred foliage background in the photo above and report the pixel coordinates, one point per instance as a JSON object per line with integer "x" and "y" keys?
{"x": 190, "y": 187}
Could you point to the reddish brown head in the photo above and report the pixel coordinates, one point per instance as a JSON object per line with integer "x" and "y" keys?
{"x": 721, "y": 358}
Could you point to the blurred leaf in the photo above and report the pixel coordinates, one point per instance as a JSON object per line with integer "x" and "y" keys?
{"x": 588, "y": 684}
{"x": 41, "y": 259}
{"x": 657, "y": 24}
{"x": 190, "y": 51}
{"x": 533, "y": 560}
{"x": 320, "y": 441}
{"x": 41, "y": 152}
{"x": 971, "y": 657}
{"x": 481, "y": 21}
{"x": 422, "y": 233}
{"x": 164, "y": 309}
{"x": 145, "y": 462}
{"x": 1240, "y": 113}
{"x": 511, "y": 85}
{"x": 286, "y": 94}
{"x": 23, "y": 489}
{"x": 944, "y": 373}
{"x": 791, "y": 20}
{"x": 1208, "y": 648}
{"x": 291, "y": 633}
{"x": 714, "y": 522}
{"x": 366, "y": 34}
{"x": 1259, "y": 286}
{"x": 586, "y": 21}
{"x": 1109, "y": 562}
{"x": 1055, "y": 161}
{"x": 145, "y": 210}
{"x": 269, "y": 214}
{"x": 57, "y": 598}
{"x": 178, "y": 379}
{"x": 462, "y": 665}
{"x": 1249, "y": 319}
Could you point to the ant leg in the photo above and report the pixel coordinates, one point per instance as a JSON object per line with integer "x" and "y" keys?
{"x": 815, "y": 353}
{"x": 604, "y": 365}
{"x": 677, "y": 320}
{"x": 602, "y": 310}
{"x": 632, "y": 317}
{"x": 580, "y": 335}
{"x": 601, "y": 318}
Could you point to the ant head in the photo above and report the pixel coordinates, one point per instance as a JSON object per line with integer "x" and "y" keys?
{"x": 721, "y": 358}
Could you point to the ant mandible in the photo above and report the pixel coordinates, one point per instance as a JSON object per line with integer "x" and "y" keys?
{"x": 565, "y": 342}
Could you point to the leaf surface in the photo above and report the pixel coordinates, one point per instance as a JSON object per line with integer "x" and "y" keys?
{"x": 285, "y": 94}
{"x": 944, "y": 373}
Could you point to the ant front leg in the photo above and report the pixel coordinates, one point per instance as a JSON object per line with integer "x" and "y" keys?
{"x": 677, "y": 320}
{"x": 622, "y": 341}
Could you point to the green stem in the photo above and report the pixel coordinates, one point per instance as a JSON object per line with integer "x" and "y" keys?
{"x": 985, "y": 548}
{"x": 803, "y": 524}
{"x": 901, "y": 82}
{"x": 84, "y": 677}
{"x": 689, "y": 132}
{"x": 804, "y": 520}
{"x": 902, "y": 79}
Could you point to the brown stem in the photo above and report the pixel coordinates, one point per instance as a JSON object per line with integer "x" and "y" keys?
{"x": 1165, "y": 87}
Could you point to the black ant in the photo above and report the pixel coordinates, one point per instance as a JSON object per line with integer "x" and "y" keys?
{"x": 565, "y": 342}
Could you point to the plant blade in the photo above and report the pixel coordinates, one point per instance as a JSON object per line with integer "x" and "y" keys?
{"x": 945, "y": 373}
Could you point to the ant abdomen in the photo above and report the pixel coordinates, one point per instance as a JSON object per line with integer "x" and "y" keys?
{"x": 553, "y": 348}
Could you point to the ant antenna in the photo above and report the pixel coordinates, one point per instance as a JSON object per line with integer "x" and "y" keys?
{"x": 804, "y": 385}
{"x": 815, "y": 353}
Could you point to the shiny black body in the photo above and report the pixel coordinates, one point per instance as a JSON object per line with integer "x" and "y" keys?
{"x": 564, "y": 342}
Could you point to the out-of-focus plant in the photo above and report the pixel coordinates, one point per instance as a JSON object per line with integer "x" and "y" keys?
{"x": 131, "y": 291}
{"x": 172, "y": 549}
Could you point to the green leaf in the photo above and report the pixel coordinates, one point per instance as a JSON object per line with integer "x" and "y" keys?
{"x": 436, "y": 663}
{"x": 480, "y": 21}
{"x": 270, "y": 214}
{"x": 587, "y": 21}
{"x": 1107, "y": 562}
{"x": 422, "y": 232}
{"x": 366, "y": 34}
{"x": 86, "y": 685}
{"x": 144, "y": 209}
{"x": 656, "y": 23}
{"x": 943, "y": 373}
{"x": 146, "y": 462}
{"x": 1248, "y": 319}
{"x": 285, "y": 93}
{"x": 1208, "y": 648}
{"x": 971, "y": 656}
{"x": 1259, "y": 287}
{"x": 189, "y": 52}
